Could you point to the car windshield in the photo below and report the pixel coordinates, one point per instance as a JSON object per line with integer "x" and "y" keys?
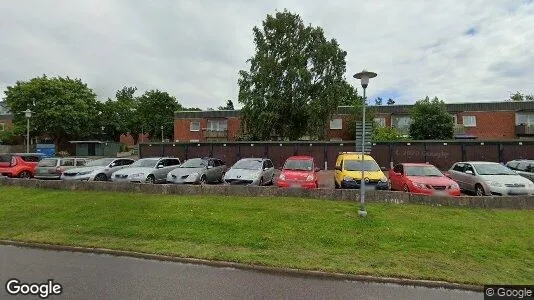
{"x": 299, "y": 164}
{"x": 422, "y": 171}
{"x": 145, "y": 163}
{"x": 493, "y": 169}
{"x": 48, "y": 162}
{"x": 194, "y": 163}
{"x": 248, "y": 164}
{"x": 356, "y": 165}
{"x": 102, "y": 162}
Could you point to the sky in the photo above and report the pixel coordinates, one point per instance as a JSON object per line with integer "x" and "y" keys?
{"x": 456, "y": 50}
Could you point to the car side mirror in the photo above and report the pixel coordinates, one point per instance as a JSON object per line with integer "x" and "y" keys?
{"x": 159, "y": 166}
{"x": 338, "y": 168}
{"x": 469, "y": 172}
{"x": 209, "y": 167}
{"x": 383, "y": 168}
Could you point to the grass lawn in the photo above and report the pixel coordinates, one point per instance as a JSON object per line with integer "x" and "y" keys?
{"x": 473, "y": 246}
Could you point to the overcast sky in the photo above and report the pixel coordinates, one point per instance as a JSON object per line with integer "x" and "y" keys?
{"x": 460, "y": 51}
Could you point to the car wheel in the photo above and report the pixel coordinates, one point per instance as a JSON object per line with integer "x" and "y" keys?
{"x": 202, "y": 179}
{"x": 151, "y": 179}
{"x": 101, "y": 177}
{"x": 479, "y": 190}
{"x": 405, "y": 188}
{"x": 25, "y": 174}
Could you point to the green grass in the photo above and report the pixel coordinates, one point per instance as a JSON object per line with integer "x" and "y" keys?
{"x": 412, "y": 241}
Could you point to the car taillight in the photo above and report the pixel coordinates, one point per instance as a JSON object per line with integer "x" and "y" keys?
{"x": 13, "y": 161}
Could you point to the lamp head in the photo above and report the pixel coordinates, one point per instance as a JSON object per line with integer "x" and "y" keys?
{"x": 364, "y": 77}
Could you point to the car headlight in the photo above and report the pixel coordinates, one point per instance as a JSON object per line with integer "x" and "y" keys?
{"x": 454, "y": 186}
{"x": 495, "y": 184}
{"x": 384, "y": 179}
{"x": 310, "y": 177}
{"x": 347, "y": 178}
{"x": 282, "y": 177}
{"x": 137, "y": 175}
{"x": 420, "y": 185}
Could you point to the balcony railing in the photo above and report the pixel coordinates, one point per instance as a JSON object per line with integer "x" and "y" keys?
{"x": 524, "y": 129}
{"x": 459, "y": 129}
{"x": 215, "y": 134}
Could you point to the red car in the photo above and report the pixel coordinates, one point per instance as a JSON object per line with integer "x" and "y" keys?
{"x": 299, "y": 172}
{"x": 21, "y": 165}
{"x": 422, "y": 179}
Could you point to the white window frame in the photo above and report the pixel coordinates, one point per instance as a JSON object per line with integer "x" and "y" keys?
{"x": 381, "y": 121}
{"x": 194, "y": 128}
{"x": 217, "y": 125}
{"x": 2, "y": 126}
{"x": 524, "y": 118}
{"x": 336, "y": 124}
{"x": 466, "y": 121}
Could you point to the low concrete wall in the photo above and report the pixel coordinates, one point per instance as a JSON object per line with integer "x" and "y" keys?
{"x": 515, "y": 202}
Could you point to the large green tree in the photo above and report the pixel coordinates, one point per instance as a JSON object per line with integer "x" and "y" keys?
{"x": 431, "y": 120}
{"x": 295, "y": 81}
{"x": 520, "y": 97}
{"x": 156, "y": 109}
{"x": 62, "y": 108}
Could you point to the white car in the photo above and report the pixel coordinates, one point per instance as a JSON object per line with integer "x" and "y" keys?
{"x": 489, "y": 178}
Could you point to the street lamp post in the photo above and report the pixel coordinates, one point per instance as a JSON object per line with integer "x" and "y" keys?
{"x": 364, "y": 77}
{"x": 28, "y": 114}
{"x": 162, "y": 133}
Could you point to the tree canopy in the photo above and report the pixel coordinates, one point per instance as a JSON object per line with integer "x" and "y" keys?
{"x": 156, "y": 109}
{"x": 62, "y": 108}
{"x": 295, "y": 81}
{"x": 431, "y": 120}
{"x": 519, "y": 97}
{"x": 229, "y": 106}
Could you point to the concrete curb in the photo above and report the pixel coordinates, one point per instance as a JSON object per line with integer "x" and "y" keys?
{"x": 258, "y": 268}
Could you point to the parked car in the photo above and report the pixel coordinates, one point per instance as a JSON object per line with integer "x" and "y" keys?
{"x": 52, "y": 168}
{"x": 299, "y": 172}
{"x": 348, "y": 172}
{"x": 489, "y": 178}
{"x": 150, "y": 170}
{"x": 198, "y": 171}
{"x": 97, "y": 170}
{"x": 21, "y": 165}
{"x": 422, "y": 179}
{"x": 523, "y": 167}
{"x": 251, "y": 171}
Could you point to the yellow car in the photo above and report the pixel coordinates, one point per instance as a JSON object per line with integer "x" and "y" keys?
{"x": 348, "y": 172}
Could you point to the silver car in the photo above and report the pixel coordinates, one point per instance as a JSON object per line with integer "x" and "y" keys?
{"x": 97, "y": 170}
{"x": 198, "y": 171}
{"x": 149, "y": 170}
{"x": 489, "y": 178}
{"x": 52, "y": 168}
{"x": 251, "y": 171}
{"x": 523, "y": 167}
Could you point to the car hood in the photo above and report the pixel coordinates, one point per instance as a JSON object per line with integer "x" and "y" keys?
{"x": 241, "y": 174}
{"x": 375, "y": 175}
{"x": 506, "y": 179}
{"x": 296, "y": 174}
{"x": 179, "y": 172}
{"x": 135, "y": 170}
{"x": 85, "y": 169}
{"x": 431, "y": 180}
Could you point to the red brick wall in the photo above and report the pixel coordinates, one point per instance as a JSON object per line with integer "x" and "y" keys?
{"x": 496, "y": 125}
{"x": 128, "y": 139}
{"x": 343, "y": 133}
{"x": 7, "y": 124}
{"x": 234, "y": 124}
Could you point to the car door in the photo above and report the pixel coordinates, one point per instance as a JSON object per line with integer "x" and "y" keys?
{"x": 527, "y": 170}
{"x": 211, "y": 172}
{"x": 159, "y": 170}
{"x": 268, "y": 171}
{"x": 169, "y": 164}
{"x": 469, "y": 177}
{"x": 338, "y": 177}
{"x": 395, "y": 177}
{"x": 221, "y": 169}
{"x": 457, "y": 174}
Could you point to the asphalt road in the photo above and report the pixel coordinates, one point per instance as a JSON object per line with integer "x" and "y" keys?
{"x": 91, "y": 276}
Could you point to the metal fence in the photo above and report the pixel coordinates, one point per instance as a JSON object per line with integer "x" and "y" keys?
{"x": 440, "y": 153}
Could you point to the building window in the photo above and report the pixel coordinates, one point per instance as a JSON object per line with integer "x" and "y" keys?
{"x": 336, "y": 124}
{"x": 381, "y": 122}
{"x": 401, "y": 123}
{"x": 194, "y": 126}
{"x": 194, "y": 141}
{"x": 524, "y": 119}
{"x": 469, "y": 121}
{"x": 217, "y": 125}
{"x": 2, "y": 126}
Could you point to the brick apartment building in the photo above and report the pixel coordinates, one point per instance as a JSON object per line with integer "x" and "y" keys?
{"x": 485, "y": 121}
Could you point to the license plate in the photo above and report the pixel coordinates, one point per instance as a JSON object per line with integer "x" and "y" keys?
{"x": 440, "y": 193}
{"x": 295, "y": 186}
